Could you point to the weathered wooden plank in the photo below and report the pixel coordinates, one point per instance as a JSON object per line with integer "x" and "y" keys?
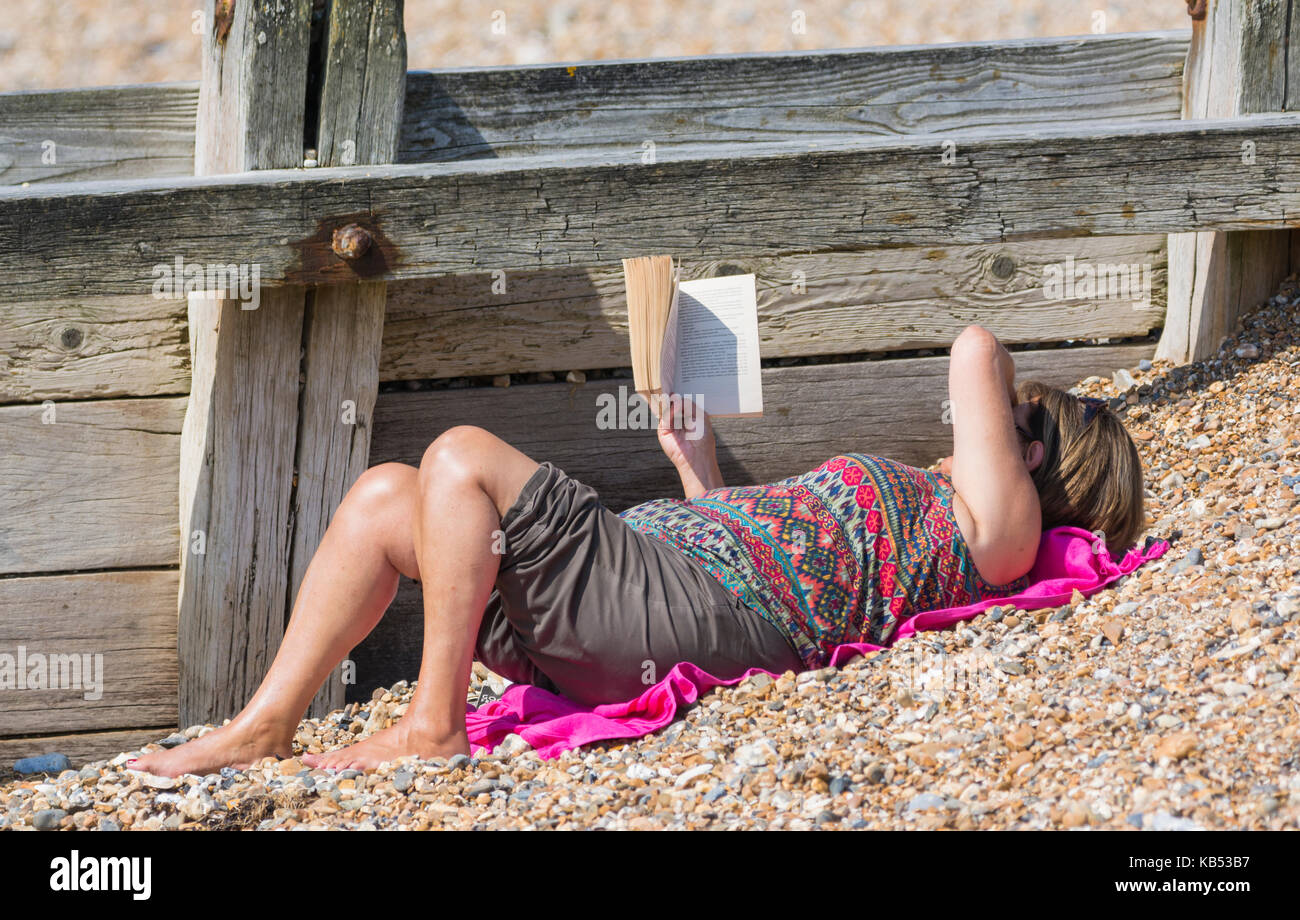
{"x": 236, "y": 478}
{"x": 122, "y": 628}
{"x": 817, "y": 304}
{"x": 892, "y": 408}
{"x": 253, "y": 87}
{"x": 360, "y": 116}
{"x": 82, "y": 748}
{"x": 561, "y": 319}
{"x": 453, "y": 113}
{"x": 1237, "y": 64}
{"x": 237, "y": 448}
{"x": 811, "y": 412}
{"x": 88, "y": 485}
{"x": 683, "y": 103}
{"x": 527, "y": 213}
{"x": 93, "y": 347}
{"x": 363, "y": 87}
{"x": 110, "y": 132}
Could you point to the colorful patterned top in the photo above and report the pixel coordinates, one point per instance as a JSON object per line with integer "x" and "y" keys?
{"x": 841, "y": 554}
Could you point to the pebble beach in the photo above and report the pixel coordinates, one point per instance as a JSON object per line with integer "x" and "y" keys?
{"x": 1167, "y": 700}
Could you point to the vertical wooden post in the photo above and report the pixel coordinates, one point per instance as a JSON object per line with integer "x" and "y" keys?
{"x": 237, "y": 444}
{"x": 363, "y": 87}
{"x": 248, "y": 531}
{"x": 1244, "y": 59}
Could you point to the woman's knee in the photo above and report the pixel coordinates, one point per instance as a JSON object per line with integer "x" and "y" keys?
{"x": 379, "y": 509}
{"x": 381, "y": 501}
{"x": 458, "y": 453}
{"x": 382, "y": 484}
{"x": 467, "y": 457}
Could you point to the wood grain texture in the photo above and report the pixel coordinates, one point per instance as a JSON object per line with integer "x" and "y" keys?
{"x": 455, "y": 113}
{"x": 362, "y": 93}
{"x": 112, "y": 132}
{"x": 1244, "y": 58}
{"x": 83, "y": 748}
{"x": 127, "y": 618}
{"x": 891, "y": 407}
{"x": 93, "y": 348}
{"x": 236, "y": 477}
{"x": 89, "y": 485}
{"x": 525, "y": 213}
{"x": 237, "y": 448}
{"x": 683, "y": 104}
{"x": 363, "y": 87}
{"x": 253, "y": 86}
{"x": 561, "y": 319}
{"x": 923, "y": 297}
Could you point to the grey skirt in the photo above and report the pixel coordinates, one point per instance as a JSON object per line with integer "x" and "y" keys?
{"x": 588, "y": 607}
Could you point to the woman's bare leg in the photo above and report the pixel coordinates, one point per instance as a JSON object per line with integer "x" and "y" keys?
{"x": 468, "y": 479}
{"x": 347, "y": 587}
{"x": 351, "y": 581}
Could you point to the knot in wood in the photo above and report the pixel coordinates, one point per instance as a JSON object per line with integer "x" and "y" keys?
{"x": 351, "y": 242}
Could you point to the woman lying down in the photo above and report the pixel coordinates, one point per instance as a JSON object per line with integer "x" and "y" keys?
{"x": 525, "y": 569}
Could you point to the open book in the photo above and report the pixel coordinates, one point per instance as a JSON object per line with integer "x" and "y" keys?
{"x": 697, "y": 339}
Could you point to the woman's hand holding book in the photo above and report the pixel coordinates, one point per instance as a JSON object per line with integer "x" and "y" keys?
{"x": 686, "y": 436}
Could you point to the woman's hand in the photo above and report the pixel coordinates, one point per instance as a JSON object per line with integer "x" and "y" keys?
{"x": 686, "y": 436}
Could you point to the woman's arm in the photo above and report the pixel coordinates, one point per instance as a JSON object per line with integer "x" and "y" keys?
{"x": 1008, "y": 366}
{"x": 686, "y": 436}
{"x": 988, "y": 470}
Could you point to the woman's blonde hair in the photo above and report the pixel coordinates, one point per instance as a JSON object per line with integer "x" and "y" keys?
{"x": 1091, "y": 474}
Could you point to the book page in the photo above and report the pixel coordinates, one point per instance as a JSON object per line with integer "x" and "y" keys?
{"x": 668, "y": 353}
{"x": 716, "y": 343}
{"x": 649, "y": 285}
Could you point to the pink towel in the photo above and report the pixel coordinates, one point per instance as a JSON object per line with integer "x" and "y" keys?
{"x": 1066, "y": 562}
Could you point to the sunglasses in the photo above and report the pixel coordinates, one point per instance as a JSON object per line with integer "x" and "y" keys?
{"x": 1091, "y": 405}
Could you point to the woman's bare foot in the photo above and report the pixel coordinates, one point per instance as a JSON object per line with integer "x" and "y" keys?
{"x": 400, "y": 740}
{"x": 234, "y": 745}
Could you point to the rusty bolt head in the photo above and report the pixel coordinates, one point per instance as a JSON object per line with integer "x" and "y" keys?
{"x": 1196, "y": 9}
{"x": 351, "y": 242}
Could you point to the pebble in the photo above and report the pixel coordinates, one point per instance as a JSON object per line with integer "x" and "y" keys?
{"x": 1176, "y": 747}
{"x": 1194, "y": 557}
{"x": 1163, "y": 821}
{"x": 47, "y": 819}
{"x": 926, "y": 800}
{"x": 693, "y": 774}
{"x": 640, "y": 771}
{"x": 43, "y": 763}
